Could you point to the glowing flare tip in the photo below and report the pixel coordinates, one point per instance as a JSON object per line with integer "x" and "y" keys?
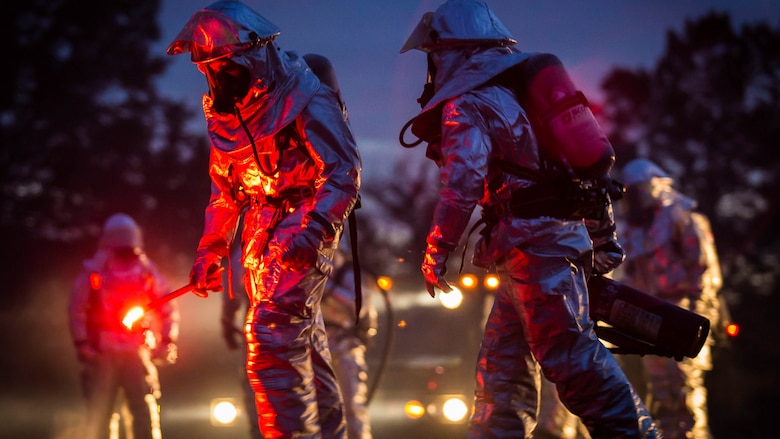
{"x": 133, "y": 316}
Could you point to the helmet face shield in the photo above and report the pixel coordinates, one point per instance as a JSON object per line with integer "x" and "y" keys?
{"x": 421, "y": 37}
{"x": 208, "y": 36}
{"x": 220, "y": 30}
{"x": 126, "y": 254}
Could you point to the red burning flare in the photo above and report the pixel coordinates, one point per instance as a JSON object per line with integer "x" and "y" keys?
{"x": 137, "y": 313}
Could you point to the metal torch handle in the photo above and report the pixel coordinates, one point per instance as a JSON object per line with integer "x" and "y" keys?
{"x": 156, "y": 303}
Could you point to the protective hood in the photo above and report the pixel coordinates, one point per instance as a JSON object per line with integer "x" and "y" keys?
{"x": 458, "y": 23}
{"x": 281, "y": 84}
{"x": 221, "y": 29}
{"x": 120, "y": 230}
{"x": 461, "y": 71}
{"x": 282, "y": 87}
{"x": 648, "y": 187}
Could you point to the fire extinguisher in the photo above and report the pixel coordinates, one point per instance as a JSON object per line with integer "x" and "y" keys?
{"x": 639, "y": 323}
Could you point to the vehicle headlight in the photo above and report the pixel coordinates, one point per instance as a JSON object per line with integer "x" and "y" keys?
{"x": 451, "y": 300}
{"x": 447, "y": 409}
{"x": 454, "y": 409}
{"x": 223, "y": 412}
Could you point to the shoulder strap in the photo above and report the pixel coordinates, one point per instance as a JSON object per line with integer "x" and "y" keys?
{"x": 94, "y": 309}
{"x": 355, "y": 262}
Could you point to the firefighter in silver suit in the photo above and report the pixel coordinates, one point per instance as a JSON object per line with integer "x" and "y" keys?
{"x": 482, "y": 141}
{"x": 282, "y": 153}
{"x": 671, "y": 254}
{"x": 115, "y": 359}
{"x": 349, "y": 338}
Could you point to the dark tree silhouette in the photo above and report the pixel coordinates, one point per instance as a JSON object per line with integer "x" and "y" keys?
{"x": 84, "y": 133}
{"x": 709, "y": 113}
{"x": 393, "y": 231}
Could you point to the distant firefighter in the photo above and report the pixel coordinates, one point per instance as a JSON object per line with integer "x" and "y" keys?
{"x": 671, "y": 254}
{"x": 115, "y": 359}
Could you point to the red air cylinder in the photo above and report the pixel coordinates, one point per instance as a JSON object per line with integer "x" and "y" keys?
{"x": 670, "y": 328}
{"x": 563, "y": 120}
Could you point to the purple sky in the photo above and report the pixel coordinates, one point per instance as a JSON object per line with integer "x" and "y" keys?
{"x": 380, "y": 86}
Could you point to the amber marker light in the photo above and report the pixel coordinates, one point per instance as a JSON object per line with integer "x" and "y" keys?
{"x": 468, "y": 281}
{"x": 732, "y": 329}
{"x": 492, "y": 282}
{"x": 414, "y": 409}
{"x": 384, "y": 282}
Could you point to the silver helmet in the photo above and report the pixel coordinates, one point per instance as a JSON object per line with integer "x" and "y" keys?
{"x": 121, "y": 231}
{"x": 642, "y": 170}
{"x": 458, "y": 23}
{"x": 222, "y": 28}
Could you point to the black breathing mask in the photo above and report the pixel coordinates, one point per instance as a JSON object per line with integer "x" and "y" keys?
{"x": 126, "y": 254}
{"x": 428, "y": 88}
{"x": 431, "y": 124}
{"x": 228, "y": 83}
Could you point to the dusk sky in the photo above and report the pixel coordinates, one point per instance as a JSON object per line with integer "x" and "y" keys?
{"x": 380, "y": 86}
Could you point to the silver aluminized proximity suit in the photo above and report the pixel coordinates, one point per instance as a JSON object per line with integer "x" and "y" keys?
{"x": 539, "y": 319}
{"x": 114, "y": 358}
{"x": 671, "y": 254}
{"x": 283, "y": 154}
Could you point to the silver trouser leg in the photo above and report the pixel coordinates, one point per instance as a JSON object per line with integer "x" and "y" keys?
{"x": 287, "y": 359}
{"x": 507, "y": 377}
